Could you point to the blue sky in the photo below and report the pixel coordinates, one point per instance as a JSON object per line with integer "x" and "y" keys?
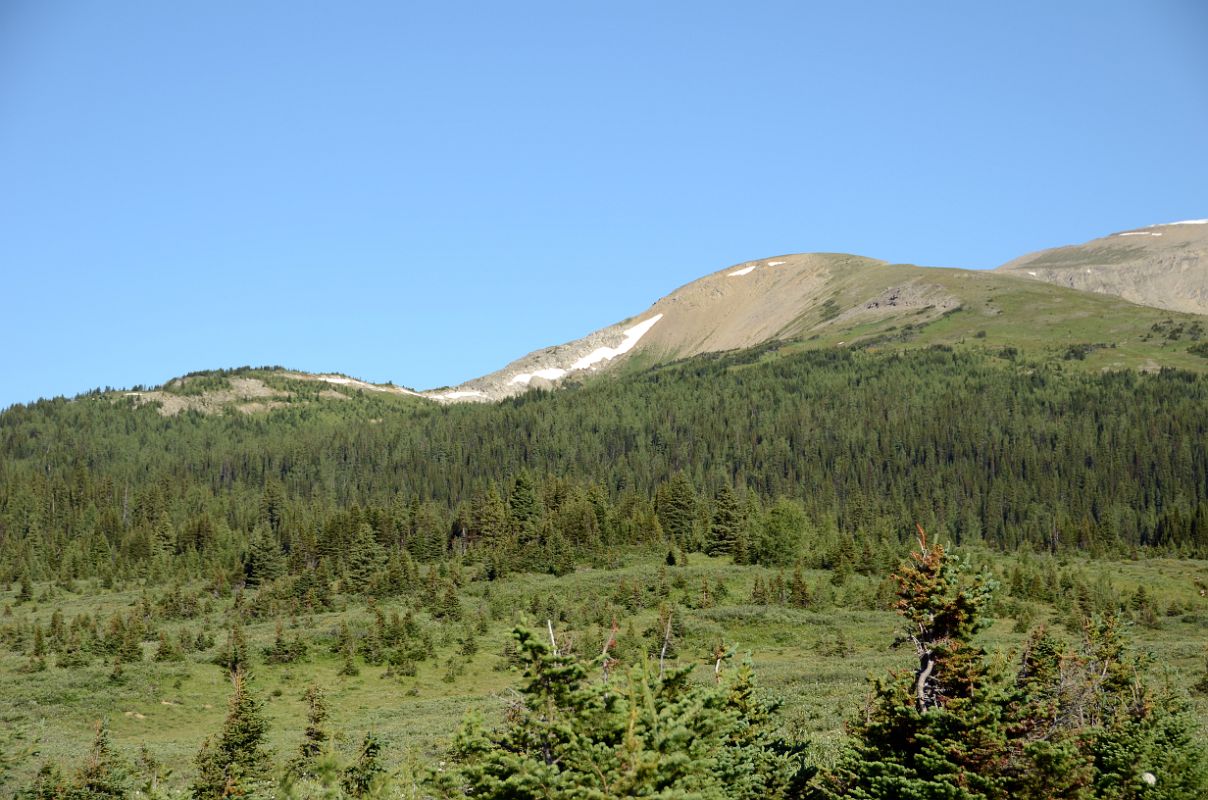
{"x": 420, "y": 192}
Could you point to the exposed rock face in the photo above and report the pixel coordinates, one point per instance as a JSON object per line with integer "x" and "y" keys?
{"x": 915, "y": 295}
{"x": 1165, "y": 266}
{"x": 249, "y": 395}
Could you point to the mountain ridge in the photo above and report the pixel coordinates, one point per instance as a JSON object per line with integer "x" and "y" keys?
{"x": 1163, "y": 265}
{"x": 1108, "y": 294}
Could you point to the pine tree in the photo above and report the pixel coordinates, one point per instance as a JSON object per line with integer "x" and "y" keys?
{"x": 104, "y": 773}
{"x": 489, "y": 516}
{"x": 638, "y": 736}
{"x": 236, "y": 762}
{"x": 800, "y": 595}
{"x": 723, "y": 529}
{"x": 348, "y": 664}
{"x": 365, "y": 557}
{"x": 315, "y": 739}
{"x": 272, "y": 505}
{"x": 361, "y": 775}
{"x": 26, "y": 592}
{"x": 265, "y": 562}
{"x": 166, "y": 650}
{"x": 935, "y": 732}
{"x": 1075, "y": 725}
{"x": 234, "y": 657}
{"x": 523, "y": 508}
{"x": 48, "y": 784}
{"x": 677, "y": 511}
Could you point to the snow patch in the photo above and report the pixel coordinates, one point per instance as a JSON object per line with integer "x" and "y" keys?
{"x": 1033, "y": 274}
{"x": 550, "y": 374}
{"x": 1184, "y": 222}
{"x": 1139, "y": 233}
{"x": 740, "y": 272}
{"x": 340, "y": 380}
{"x": 609, "y": 353}
{"x": 776, "y": 263}
{"x": 632, "y": 335}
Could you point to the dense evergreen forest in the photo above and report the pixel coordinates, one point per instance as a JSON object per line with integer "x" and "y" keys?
{"x": 594, "y": 543}
{"x": 855, "y": 447}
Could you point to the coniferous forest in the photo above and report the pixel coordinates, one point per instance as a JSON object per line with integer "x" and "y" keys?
{"x": 672, "y": 583}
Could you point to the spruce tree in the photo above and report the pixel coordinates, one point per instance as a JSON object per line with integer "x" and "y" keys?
{"x": 723, "y": 528}
{"x": 935, "y": 731}
{"x": 234, "y": 657}
{"x": 489, "y": 516}
{"x": 26, "y": 591}
{"x": 641, "y": 735}
{"x": 104, "y": 773}
{"x": 365, "y": 557}
{"x": 362, "y": 774}
{"x": 677, "y": 511}
{"x": 315, "y": 738}
{"x": 523, "y": 508}
{"x": 234, "y": 763}
{"x": 265, "y": 562}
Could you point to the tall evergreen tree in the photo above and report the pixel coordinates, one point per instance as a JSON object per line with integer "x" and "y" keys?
{"x": 723, "y": 528}
{"x": 677, "y": 511}
{"x": 489, "y": 516}
{"x": 524, "y": 509}
{"x": 265, "y": 561}
{"x": 365, "y": 557}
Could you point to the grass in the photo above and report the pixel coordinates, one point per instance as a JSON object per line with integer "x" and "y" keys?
{"x": 818, "y": 661}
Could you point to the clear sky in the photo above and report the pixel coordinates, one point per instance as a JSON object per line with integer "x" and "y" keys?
{"x": 420, "y": 192}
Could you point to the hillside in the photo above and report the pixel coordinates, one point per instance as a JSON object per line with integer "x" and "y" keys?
{"x": 384, "y": 546}
{"x": 1165, "y": 266}
{"x": 828, "y": 300}
{"x": 744, "y": 476}
{"x": 813, "y": 301}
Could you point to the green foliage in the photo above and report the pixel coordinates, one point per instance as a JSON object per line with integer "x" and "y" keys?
{"x": 641, "y": 735}
{"x": 315, "y": 737}
{"x": 235, "y": 762}
{"x": 265, "y": 561}
{"x": 1037, "y": 457}
{"x": 724, "y": 527}
{"x": 1078, "y": 724}
{"x": 234, "y": 656}
{"x": 104, "y": 774}
{"x": 779, "y": 535}
{"x": 364, "y": 558}
{"x": 362, "y": 775}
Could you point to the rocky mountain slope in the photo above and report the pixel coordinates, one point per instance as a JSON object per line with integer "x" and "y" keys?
{"x": 1131, "y": 299}
{"x": 1161, "y": 265}
{"x": 824, "y": 299}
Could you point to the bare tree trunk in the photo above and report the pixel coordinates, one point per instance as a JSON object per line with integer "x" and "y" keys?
{"x": 606, "y": 660}
{"x": 666, "y": 644}
{"x": 926, "y": 665}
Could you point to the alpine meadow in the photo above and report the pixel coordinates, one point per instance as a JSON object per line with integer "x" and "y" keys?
{"x": 811, "y": 526}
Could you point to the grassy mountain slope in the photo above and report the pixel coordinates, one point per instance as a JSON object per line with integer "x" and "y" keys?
{"x": 842, "y": 300}
{"x": 810, "y": 301}
{"x": 1165, "y": 266}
